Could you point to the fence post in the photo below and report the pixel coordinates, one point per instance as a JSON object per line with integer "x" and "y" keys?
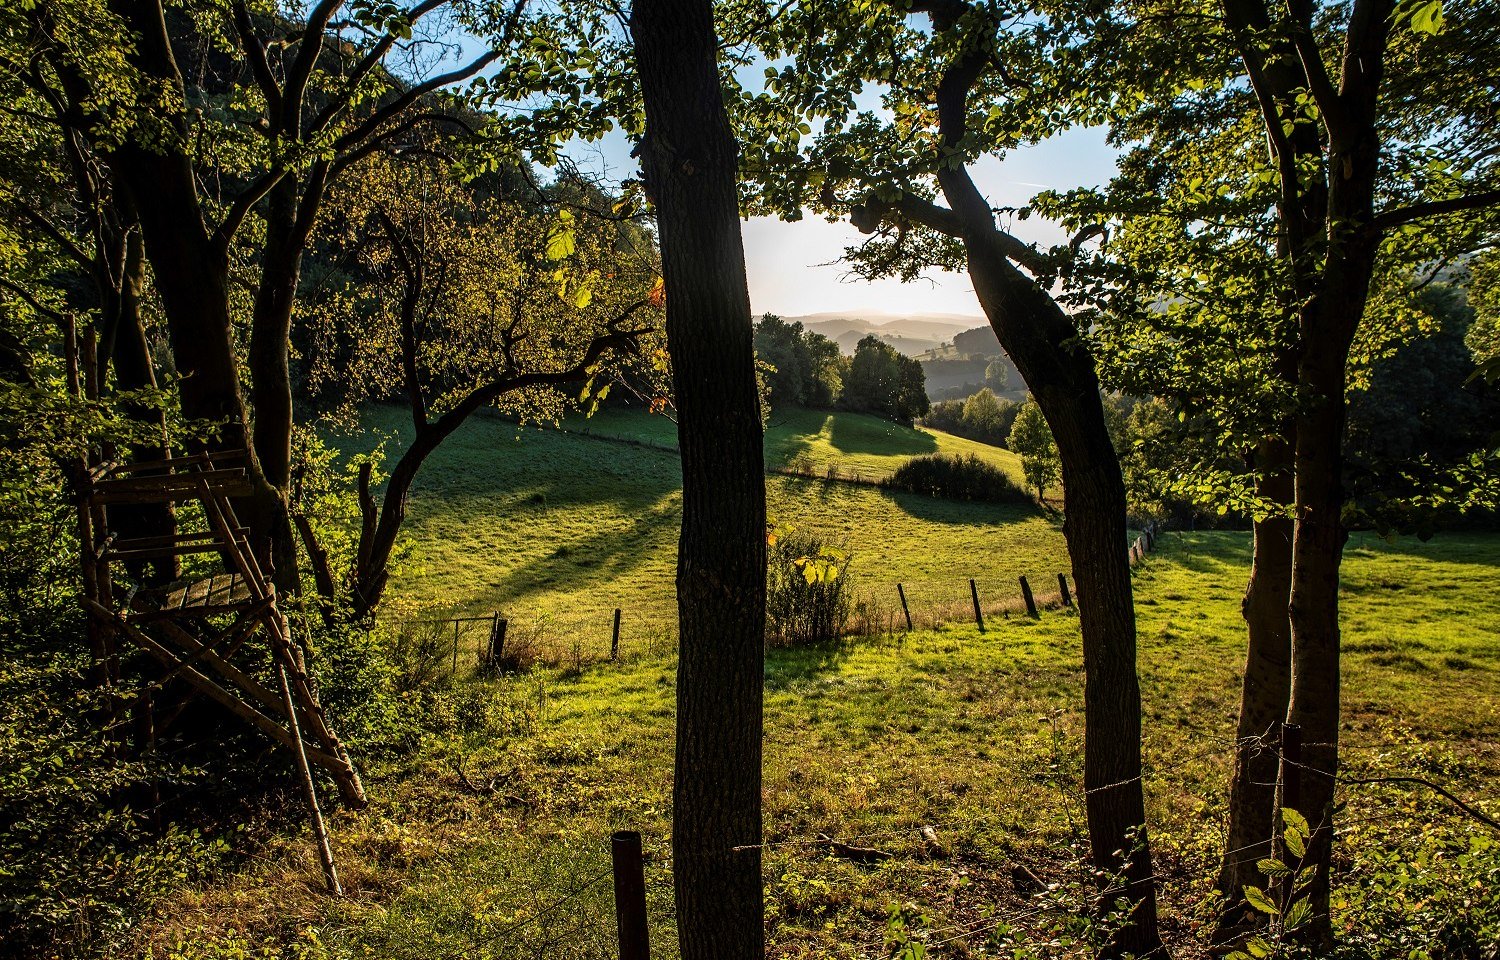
{"x": 978, "y": 615}
{"x": 1291, "y": 765}
{"x": 904, "y": 608}
{"x": 455, "y": 646}
{"x": 630, "y": 895}
{"x": 497, "y": 641}
{"x": 1062, "y": 585}
{"x": 1291, "y": 798}
{"x": 1030, "y": 600}
{"x": 487, "y": 644}
{"x": 614, "y": 642}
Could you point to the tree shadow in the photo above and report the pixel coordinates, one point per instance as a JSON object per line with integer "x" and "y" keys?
{"x": 855, "y": 433}
{"x": 787, "y": 666}
{"x": 940, "y": 510}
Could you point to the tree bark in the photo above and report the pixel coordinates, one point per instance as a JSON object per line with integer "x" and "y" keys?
{"x": 1037, "y": 336}
{"x": 689, "y": 157}
{"x": 191, "y": 273}
{"x": 1264, "y": 693}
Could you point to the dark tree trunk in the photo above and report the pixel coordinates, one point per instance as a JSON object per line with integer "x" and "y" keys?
{"x": 134, "y": 371}
{"x": 689, "y": 157}
{"x": 1264, "y": 693}
{"x": 191, "y": 274}
{"x": 1039, "y": 339}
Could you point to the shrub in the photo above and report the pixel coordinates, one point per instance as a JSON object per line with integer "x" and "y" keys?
{"x": 807, "y": 591}
{"x": 956, "y": 478}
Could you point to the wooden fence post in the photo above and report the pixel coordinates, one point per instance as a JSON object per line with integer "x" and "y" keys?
{"x": 1291, "y": 798}
{"x": 1062, "y": 586}
{"x": 1030, "y": 600}
{"x": 978, "y": 615}
{"x": 630, "y": 895}
{"x": 614, "y": 642}
{"x": 904, "y": 608}
{"x": 455, "y": 646}
{"x": 497, "y": 642}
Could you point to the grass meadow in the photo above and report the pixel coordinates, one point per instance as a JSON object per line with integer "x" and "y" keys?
{"x": 558, "y": 528}
{"x": 488, "y": 837}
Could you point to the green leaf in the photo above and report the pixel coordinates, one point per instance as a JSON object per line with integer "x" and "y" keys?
{"x": 1298, "y": 914}
{"x": 1428, "y": 18}
{"x": 1295, "y": 820}
{"x": 1257, "y": 898}
{"x": 1259, "y": 947}
{"x": 1295, "y": 843}
{"x": 1272, "y": 867}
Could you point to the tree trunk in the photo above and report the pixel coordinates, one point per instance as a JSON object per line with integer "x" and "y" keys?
{"x": 1041, "y": 340}
{"x": 689, "y": 157}
{"x": 191, "y": 274}
{"x": 134, "y": 371}
{"x": 1263, "y": 695}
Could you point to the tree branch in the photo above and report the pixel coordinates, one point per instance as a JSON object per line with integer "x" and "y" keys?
{"x": 1435, "y": 208}
{"x": 260, "y": 67}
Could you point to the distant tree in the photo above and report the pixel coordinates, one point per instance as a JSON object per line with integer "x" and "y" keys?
{"x": 911, "y": 390}
{"x": 982, "y": 416}
{"x": 883, "y": 382}
{"x": 1032, "y": 439}
{"x": 997, "y": 376}
{"x": 808, "y": 367}
{"x": 779, "y": 344}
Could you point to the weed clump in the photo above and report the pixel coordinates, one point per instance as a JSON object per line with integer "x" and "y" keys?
{"x": 808, "y": 594}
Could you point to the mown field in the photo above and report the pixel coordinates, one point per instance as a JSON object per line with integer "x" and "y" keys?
{"x": 487, "y": 836}
{"x": 559, "y": 528}
{"x": 490, "y": 837}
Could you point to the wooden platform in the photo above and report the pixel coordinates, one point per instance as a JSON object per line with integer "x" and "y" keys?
{"x": 221, "y": 593}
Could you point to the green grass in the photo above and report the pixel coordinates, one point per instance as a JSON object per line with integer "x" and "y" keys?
{"x": 553, "y": 525}
{"x": 978, "y": 734}
{"x": 857, "y": 444}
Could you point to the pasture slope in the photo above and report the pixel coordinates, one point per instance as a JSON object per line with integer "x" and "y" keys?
{"x": 561, "y": 527}
{"x": 489, "y": 836}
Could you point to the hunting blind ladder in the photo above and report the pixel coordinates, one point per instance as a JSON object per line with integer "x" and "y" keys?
{"x": 196, "y": 628}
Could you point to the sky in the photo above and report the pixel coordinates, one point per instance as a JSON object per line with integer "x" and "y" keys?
{"x": 792, "y": 267}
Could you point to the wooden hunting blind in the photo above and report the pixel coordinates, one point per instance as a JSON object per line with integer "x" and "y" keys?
{"x": 198, "y": 629}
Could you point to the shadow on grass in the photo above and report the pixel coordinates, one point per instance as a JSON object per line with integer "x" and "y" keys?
{"x": 850, "y": 434}
{"x": 786, "y": 666}
{"x": 938, "y": 510}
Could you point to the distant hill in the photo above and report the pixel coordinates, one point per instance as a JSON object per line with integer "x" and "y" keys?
{"x": 909, "y": 334}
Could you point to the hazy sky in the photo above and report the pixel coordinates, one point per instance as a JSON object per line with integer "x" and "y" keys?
{"x": 791, "y": 265}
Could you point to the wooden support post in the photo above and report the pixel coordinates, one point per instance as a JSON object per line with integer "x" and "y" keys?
{"x": 497, "y": 642}
{"x": 978, "y": 614}
{"x": 1030, "y": 600}
{"x": 614, "y": 641}
{"x": 1290, "y": 798}
{"x": 1062, "y": 586}
{"x": 455, "y": 646}
{"x": 630, "y": 895}
{"x": 904, "y": 608}
{"x": 299, "y": 749}
{"x": 1291, "y": 765}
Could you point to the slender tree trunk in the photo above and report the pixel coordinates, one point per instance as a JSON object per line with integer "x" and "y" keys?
{"x": 134, "y": 371}
{"x": 689, "y": 157}
{"x": 1038, "y": 337}
{"x": 1264, "y": 693}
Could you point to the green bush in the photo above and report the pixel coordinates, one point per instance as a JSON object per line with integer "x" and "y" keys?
{"x": 956, "y": 478}
{"x": 808, "y": 593}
